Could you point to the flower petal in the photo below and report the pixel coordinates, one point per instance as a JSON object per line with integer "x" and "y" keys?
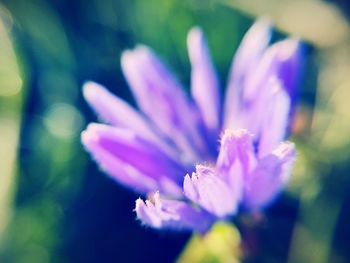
{"x": 247, "y": 57}
{"x": 114, "y": 110}
{"x": 161, "y": 98}
{"x": 269, "y": 177}
{"x": 204, "y": 81}
{"x": 236, "y": 157}
{"x": 209, "y": 191}
{"x": 172, "y": 214}
{"x": 117, "y": 112}
{"x": 288, "y": 57}
{"x": 280, "y": 60}
{"x": 247, "y": 102}
{"x": 128, "y": 157}
{"x": 276, "y": 118}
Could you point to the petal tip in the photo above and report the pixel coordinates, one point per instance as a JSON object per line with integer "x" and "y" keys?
{"x": 194, "y": 34}
{"x": 141, "y": 52}
{"x": 89, "y": 135}
{"x": 285, "y": 149}
{"x": 264, "y": 22}
{"x": 234, "y": 134}
{"x": 90, "y": 90}
{"x": 138, "y": 204}
{"x": 92, "y": 133}
{"x": 288, "y": 48}
{"x": 125, "y": 57}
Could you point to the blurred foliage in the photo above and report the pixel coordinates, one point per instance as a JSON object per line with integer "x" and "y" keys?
{"x": 11, "y": 98}
{"x": 316, "y": 21}
{"x": 63, "y": 209}
{"x": 221, "y": 244}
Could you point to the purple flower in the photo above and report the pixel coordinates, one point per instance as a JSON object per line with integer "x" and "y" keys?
{"x": 152, "y": 150}
{"x": 239, "y": 179}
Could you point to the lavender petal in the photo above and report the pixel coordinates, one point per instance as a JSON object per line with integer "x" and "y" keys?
{"x": 269, "y": 177}
{"x": 282, "y": 61}
{"x": 114, "y": 110}
{"x": 288, "y": 63}
{"x": 204, "y": 81}
{"x": 128, "y": 158}
{"x": 161, "y": 98}
{"x": 276, "y": 119}
{"x": 245, "y": 61}
{"x": 208, "y": 190}
{"x": 117, "y": 112}
{"x": 236, "y": 157}
{"x": 172, "y": 214}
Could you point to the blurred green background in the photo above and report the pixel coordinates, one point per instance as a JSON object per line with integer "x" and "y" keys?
{"x": 55, "y": 204}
